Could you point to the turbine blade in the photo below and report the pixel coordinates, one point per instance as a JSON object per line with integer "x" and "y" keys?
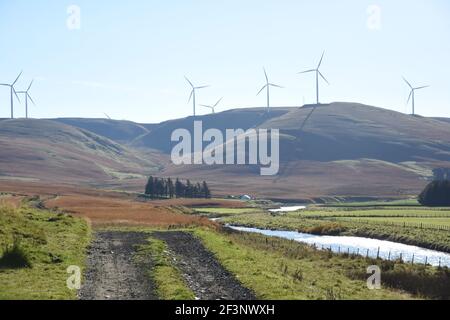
{"x": 409, "y": 98}
{"x": 190, "y": 96}
{"x": 217, "y": 103}
{"x": 29, "y": 87}
{"x": 409, "y": 84}
{"x": 275, "y": 85}
{"x": 201, "y": 87}
{"x": 189, "y": 82}
{"x": 311, "y": 70}
{"x": 31, "y": 99}
{"x": 423, "y": 87}
{"x": 17, "y": 78}
{"x": 323, "y": 77}
{"x": 265, "y": 74}
{"x": 321, "y": 59}
{"x": 15, "y": 93}
{"x": 265, "y": 86}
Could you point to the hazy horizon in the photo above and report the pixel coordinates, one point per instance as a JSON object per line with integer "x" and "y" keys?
{"x": 129, "y": 60}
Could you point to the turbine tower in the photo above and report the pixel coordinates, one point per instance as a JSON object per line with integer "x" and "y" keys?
{"x": 194, "y": 88}
{"x": 318, "y": 73}
{"x": 267, "y": 86}
{"x": 213, "y": 108}
{"x": 412, "y": 94}
{"x": 13, "y": 92}
{"x": 27, "y": 96}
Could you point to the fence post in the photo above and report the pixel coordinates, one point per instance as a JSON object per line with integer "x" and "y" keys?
{"x": 439, "y": 262}
{"x": 426, "y": 260}
{"x": 367, "y": 255}
{"x": 378, "y": 253}
{"x": 412, "y": 260}
{"x": 401, "y": 256}
{"x": 389, "y": 257}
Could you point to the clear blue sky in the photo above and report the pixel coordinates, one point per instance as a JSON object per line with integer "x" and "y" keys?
{"x": 129, "y": 57}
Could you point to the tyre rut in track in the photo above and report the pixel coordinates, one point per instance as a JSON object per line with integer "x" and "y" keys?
{"x": 112, "y": 272}
{"x": 205, "y": 276}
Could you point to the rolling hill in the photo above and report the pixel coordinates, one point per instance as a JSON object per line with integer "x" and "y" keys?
{"x": 43, "y": 150}
{"x": 343, "y": 150}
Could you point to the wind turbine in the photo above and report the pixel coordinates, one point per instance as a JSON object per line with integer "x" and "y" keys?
{"x": 194, "y": 88}
{"x": 412, "y": 93}
{"x": 318, "y": 73}
{"x": 213, "y": 108}
{"x": 267, "y": 86}
{"x": 27, "y": 96}
{"x": 13, "y": 92}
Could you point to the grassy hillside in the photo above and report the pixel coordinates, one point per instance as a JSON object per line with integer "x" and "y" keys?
{"x": 52, "y": 151}
{"x": 43, "y": 244}
{"x": 116, "y": 130}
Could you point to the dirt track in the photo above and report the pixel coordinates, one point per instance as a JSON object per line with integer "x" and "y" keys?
{"x": 203, "y": 273}
{"x": 112, "y": 274}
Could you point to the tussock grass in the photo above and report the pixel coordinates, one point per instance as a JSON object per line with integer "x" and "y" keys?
{"x": 36, "y": 247}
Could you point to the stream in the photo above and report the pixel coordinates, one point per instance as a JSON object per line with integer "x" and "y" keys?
{"x": 388, "y": 250}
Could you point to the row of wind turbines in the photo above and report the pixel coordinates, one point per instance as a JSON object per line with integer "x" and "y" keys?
{"x": 15, "y": 93}
{"x": 194, "y": 89}
{"x": 268, "y": 85}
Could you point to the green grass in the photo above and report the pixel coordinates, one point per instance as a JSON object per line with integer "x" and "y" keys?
{"x": 279, "y": 269}
{"x": 225, "y": 211}
{"x": 394, "y": 203}
{"x": 51, "y": 243}
{"x": 169, "y": 282}
{"x": 400, "y": 220}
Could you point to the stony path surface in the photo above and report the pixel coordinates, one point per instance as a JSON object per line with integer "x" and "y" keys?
{"x": 112, "y": 273}
{"x": 203, "y": 273}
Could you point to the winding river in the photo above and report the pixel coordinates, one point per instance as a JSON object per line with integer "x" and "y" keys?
{"x": 357, "y": 245}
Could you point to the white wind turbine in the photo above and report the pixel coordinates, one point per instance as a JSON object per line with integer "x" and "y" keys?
{"x": 213, "y": 107}
{"x": 412, "y": 94}
{"x": 13, "y": 92}
{"x": 318, "y": 73}
{"x": 267, "y": 86}
{"x": 27, "y": 96}
{"x": 192, "y": 95}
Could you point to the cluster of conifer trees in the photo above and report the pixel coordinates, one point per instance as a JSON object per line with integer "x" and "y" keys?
{"x": 167, "y": 188}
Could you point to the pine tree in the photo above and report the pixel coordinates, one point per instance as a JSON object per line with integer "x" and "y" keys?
{"x": 205, "y": 190}
{"x": 150, "y": 187}
{"x": 171, "y": 188}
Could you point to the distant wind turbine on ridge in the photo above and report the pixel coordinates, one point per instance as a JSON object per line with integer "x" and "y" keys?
{"x": 213, "y": 107}
{"x": 27, "y": 96}
{"x": 412, "y": 94}
{"x": 192, "y": 95}
{"x": 13, "y": 92}
{"x": 318, "y": 73}
{"x": 267, "y": 86}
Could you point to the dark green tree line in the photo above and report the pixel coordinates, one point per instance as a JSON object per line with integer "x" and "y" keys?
{"x": 166, "y": 188}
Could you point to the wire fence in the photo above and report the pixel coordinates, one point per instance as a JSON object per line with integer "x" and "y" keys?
{"x": 404, "y": 224}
